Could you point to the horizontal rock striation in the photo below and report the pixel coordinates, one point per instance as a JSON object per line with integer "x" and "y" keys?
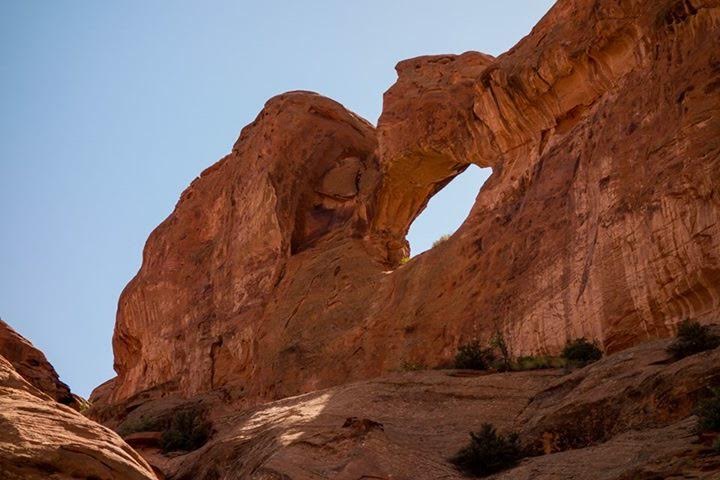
{"x": 42, "y": 439}
{"x": 280, "y": 271}
{"x": 31, "y": 364}
{"x": 628, "y": 416}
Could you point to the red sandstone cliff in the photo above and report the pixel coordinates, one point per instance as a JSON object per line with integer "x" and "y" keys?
{"x": 31, "y": 364}
{"x": 278, "y": 272}
{"x": 41, "y": 437}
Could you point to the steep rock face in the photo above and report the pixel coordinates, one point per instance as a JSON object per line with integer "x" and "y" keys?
{"x": 41, "y": 439}
{"x": 303, "y": 171}
{"x": 31, "y": 364}
{"x": 601, "y": 216}
{"x": 279, "y": 270}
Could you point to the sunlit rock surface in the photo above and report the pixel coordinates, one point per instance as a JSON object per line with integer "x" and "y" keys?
{"x": 277, "y": 297}
{"x": 280, "y": 272}
{"x": 628, "y": 416}
{"x": 42, "y": 439}
{"x": 32, "y": 365}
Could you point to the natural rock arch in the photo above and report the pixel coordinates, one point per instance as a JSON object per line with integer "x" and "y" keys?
{"x": 421, "y": 148}
{"x": 447, "y": 210}
{"x": 600, "y": 218}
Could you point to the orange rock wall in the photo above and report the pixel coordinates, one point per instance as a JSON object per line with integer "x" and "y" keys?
{"x": 31, "y": 364}
{"x": 279, "y": 270}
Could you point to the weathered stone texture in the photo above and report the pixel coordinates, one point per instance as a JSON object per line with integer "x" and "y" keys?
{"x": 279, "y": 271}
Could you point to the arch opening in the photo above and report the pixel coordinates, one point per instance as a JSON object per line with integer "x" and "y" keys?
{"x": 446, "y": 210}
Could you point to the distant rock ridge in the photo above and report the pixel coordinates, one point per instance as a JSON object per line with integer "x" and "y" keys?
{"x": 41, "y": 437}
{"x": 31, "y": 364}
{"x": 279, "y": 271}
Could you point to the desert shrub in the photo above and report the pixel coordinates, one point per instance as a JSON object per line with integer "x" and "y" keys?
{"x": 472, "y": 356}
{"x": 187, "y": 430}
{"x": 404, "y": 260}
{"x": 440, "y": 240}
{"x": 488, "y": 452}
{"x": 538, "y": 362}
{"x": 409, "y": 366}
{"x": 708, "y": 412}
{"x": 142, "y": 424}
{"x": 498, "y": 342}
{"x": 581, "y": 352}
{"x": 82, "y": 404}
{"x": 692, "y": 338}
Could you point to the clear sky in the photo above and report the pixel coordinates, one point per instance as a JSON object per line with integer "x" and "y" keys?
{"x": 110, "y": 109}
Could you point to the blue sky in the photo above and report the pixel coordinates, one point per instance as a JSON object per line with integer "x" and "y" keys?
{"x": 110, "y": 109}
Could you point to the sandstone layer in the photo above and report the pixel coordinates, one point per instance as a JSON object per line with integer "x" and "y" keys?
{"x": 280, "y": 272}
{"x": 628, "y": 416}
{"x": 31, "y": 364}
{"x": 41, "y": 439}
{"x": 636, "y": 389}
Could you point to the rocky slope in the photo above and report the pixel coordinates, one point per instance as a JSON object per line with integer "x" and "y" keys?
{"x": 628, "y": 416}
{"x": 43, "y": 439}
{"x": 31, "y": 364}
{"x": 280, "y": 272}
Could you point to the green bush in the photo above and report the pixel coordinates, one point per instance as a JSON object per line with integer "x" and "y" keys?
{"x": 708, "y": 412}
{"x": 538, "y": 362}
{"x": 413, "y": 366}
{"x": 581, "y": 352}
{"x": 488, "y": 452}
{"x": 142, "y": 424}
{"x": 188, "y": 430}
{"x": 692, "y": 338}
{"x": 471, "y": 356}
{"x": 498, "y": 342}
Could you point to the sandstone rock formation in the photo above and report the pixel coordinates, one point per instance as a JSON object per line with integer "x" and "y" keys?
{"x": 279, "y": 270}
{"x": 402, "y": 426}
{"x": 303, "y": 172}
{"x": 41, "y": 439}
{"x": 667, "y": 453}
{"x": 629, "y": 416}
{"x": 31, "y": 364}
{"x": 637, "y": 389}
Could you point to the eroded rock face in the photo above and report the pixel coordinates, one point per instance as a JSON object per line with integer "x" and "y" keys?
{"x": 636, "y": 389}
{"x": 279, "y": 270}
{"x": 668, "y": 452}
{"x": 600, "y": 130}
{"x": 402, "y": 426}
{"x": 427, "y": 136}
{"x": 304, "y": 171}
{"x": 629, "y": 416}
{"x": 41, "y": 439}
{"x": 31, "y": 364}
